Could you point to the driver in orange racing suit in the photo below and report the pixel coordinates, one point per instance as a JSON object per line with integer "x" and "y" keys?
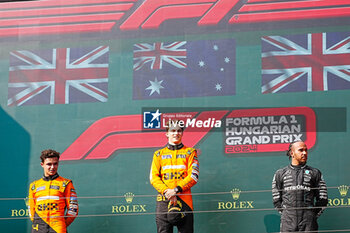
{"x": 53, "y": 203}
{"x": 174, "y": 170}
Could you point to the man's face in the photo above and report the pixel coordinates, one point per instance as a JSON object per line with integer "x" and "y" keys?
{"x": 50, "y": 166}
{"x": 299, "y": 153}
{"x": 174, "y": 135}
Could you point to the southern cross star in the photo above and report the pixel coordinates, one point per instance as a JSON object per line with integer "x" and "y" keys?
{"x": 155, "y": 86}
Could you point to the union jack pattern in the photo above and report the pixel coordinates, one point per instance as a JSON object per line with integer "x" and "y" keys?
{"x": 310, "y": 62}
{"x": 184, "y": 69}
{"x": 157, "y": 53}
{"x": 58, "y": 76}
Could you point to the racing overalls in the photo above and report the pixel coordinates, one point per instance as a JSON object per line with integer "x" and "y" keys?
{"x": 174, "y": 166}
{"x": 53, "y": 204}
{"x": 300, "y": 195}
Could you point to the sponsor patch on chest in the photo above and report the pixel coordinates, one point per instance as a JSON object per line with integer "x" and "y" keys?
{"x": 41, "y": 188}
{"x": 55, "y": 187}
{"x": 168, "y": 156}
{"x": 181, "y": 156}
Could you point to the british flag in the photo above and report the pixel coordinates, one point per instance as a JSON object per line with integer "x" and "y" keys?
{"x": 58, "y": 76}
{"x": 309, "y": 62}
{"x": 157, "y": 53}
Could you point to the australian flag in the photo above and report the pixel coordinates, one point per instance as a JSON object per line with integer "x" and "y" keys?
{"x": 309, "y": 62}
{"x": 58, "y": 76}
{"x": 184, "y": 69}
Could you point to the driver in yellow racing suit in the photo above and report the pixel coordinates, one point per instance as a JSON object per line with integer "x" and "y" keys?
{"x": 174, "y": 171}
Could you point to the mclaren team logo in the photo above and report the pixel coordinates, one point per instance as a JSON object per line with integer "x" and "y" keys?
{"x": 129, "y": 206}
{"x": 342, "y": 199}
{"x": 236, "y": 203}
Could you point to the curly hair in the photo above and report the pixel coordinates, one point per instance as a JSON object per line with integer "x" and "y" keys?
{"x": 49, "y": 153}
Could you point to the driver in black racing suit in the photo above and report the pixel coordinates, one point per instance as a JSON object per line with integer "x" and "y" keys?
{"x": 299, "y": 192}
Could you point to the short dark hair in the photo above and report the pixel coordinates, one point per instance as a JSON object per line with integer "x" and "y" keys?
{"x": 171, "y": 123}
{"x": 291, "y": 146}
{"x": 49, "y": 153}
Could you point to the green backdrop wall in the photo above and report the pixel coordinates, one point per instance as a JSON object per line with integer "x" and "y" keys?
{"x": 102, "y": 183}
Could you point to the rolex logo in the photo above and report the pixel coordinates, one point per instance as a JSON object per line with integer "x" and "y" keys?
{"x": 129, "y": 197}
{"x": 235, "y": 193}
{"x": 235, "y": 204}
{"x": 26, "y": 201}
{"x": 343, "y": 190}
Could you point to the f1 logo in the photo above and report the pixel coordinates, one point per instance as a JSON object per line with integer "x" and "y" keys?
{"x": 152, "y": 120}
{"x": 114, "y": 133}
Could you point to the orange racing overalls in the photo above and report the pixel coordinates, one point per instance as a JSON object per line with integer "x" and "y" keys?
{"x": 53, "y": 204}
{"x": 175, "y": 166}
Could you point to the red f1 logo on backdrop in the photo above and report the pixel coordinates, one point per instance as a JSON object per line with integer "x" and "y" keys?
{"x": 114, "y": 133}
{"x": 76, "y": 16}
{"x": 269, "y": 129}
